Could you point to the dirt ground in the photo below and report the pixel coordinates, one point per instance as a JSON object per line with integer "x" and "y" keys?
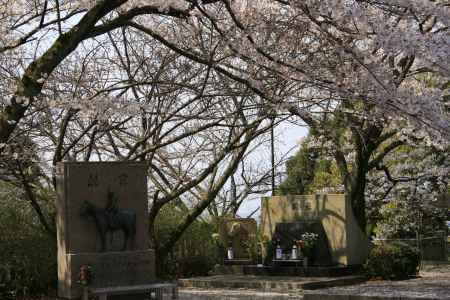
{"x": 433, "y": 282}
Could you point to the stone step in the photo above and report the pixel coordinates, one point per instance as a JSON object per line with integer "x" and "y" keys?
{"x": 311, "y": 271}
{"x": 267, "y": 283}
{"x": 222, "y": 294}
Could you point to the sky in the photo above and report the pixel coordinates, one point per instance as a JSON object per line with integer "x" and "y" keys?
{"x": 288, "y": 136}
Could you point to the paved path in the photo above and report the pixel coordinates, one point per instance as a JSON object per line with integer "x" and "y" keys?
{"x": 433, "y": 283}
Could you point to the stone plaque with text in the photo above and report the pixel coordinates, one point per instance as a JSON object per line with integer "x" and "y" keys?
{"x": 102, "y": 221}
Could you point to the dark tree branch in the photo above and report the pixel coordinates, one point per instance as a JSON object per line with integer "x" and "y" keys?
{"x": 385, "y": 151}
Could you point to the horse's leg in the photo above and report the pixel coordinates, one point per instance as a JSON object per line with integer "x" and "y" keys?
{"x": 111, "y": 237}
{"x": 101, "y": 229}
{"x": 133, "y": 232}
{"x": 125, "y": 239}
{"x": 133, "y": 240}
{"x": 103, "y": 240}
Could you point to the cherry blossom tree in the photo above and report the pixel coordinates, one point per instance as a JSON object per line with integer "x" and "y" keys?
{"x": 340, "y": 49}
{"x": 192, "y": 126}
{"x": 334, "y": 57}
{"x": 28, "y": 40}
{"x": 307, "y": 58}
{"x": 408, "y": 187}
{"x": 406, "y": 175}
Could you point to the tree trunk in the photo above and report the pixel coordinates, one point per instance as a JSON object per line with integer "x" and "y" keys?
{"x": 156, "y": 207}
{"x": 358, "y": 201}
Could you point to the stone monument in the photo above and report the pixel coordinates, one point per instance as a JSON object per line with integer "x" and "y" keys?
{"x": 347, "y": 244}
{"x": 240, "y": 234}
{"x": 102, "y": 222}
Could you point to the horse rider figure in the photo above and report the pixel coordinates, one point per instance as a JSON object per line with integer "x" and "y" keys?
{"x": 112, "y": 209}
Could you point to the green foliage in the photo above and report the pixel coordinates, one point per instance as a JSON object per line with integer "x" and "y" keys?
{"x": 269, "y": 249}
{"x": 195, "y": 254}
{"x": 394, "y": 260}
{"x": 252, "y": 249}
{"x": 326, "y": 175}
{"x": 27, "y": 253}
{"x": 300, "y": 172}
{"x": 307, "y": 172}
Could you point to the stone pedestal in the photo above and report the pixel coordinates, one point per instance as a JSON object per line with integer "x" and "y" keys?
{"x": 80, "y": 242}
{"x": 109, "y": 269}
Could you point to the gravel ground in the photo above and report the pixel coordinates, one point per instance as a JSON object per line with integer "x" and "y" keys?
{"x": 433, "y": 283}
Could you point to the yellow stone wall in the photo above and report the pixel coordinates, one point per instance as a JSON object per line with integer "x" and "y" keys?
{"x": 347, "y": 243}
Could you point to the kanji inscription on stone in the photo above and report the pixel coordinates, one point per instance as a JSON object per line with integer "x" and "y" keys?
{"x": 93, "y": 180}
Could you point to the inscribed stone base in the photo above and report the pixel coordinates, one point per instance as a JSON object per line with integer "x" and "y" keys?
{"x": 109, "y": 269}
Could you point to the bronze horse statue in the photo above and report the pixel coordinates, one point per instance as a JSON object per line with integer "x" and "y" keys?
{"x": 111, "y": 220}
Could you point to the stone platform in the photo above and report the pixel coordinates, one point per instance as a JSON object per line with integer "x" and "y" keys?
{"x": 312, "y": 271}
{"x": 267, "y": 283}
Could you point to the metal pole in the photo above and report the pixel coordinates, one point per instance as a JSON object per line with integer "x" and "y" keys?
{"x": 272, "y": 148}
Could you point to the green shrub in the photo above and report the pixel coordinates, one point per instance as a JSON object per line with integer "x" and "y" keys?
{"x": 394, "y": 260}
{"x": 269, "y": 252}
{"x": 195, "y": 253}
{"x": 195, "y": 266}
{"x": 27, "y": 253}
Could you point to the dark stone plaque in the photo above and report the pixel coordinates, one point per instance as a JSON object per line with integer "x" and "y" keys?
{"x": 286, "y": 233}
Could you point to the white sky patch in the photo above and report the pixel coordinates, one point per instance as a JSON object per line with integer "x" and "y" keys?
{"x": 288, "y": 136}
